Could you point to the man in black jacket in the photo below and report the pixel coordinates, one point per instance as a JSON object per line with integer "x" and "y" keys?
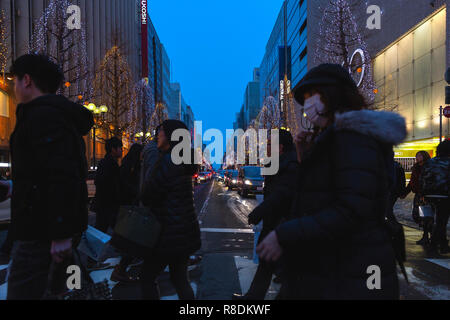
{"x": 107, "y": 183}
{"x": 49, "y": 170}
{"x": 278, "y": 194}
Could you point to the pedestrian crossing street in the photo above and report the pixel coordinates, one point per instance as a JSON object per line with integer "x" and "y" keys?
{"x": 245, "y": 267}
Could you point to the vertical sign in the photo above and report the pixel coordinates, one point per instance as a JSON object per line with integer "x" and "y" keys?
{"x": 144, "y": 40}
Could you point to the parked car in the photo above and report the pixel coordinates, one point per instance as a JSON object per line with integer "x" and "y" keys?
{"x": 5, "y": 212}
{"x": 232, "y": 177}
{"x": 250, "y": 181}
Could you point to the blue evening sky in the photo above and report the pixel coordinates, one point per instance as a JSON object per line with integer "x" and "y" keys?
{"x": 213, "y": 47}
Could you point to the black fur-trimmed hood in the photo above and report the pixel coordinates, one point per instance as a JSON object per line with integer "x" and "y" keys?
{"x": 386, "y": 127}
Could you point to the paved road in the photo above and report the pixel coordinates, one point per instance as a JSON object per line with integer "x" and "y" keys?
{"x": 227, "y": 249}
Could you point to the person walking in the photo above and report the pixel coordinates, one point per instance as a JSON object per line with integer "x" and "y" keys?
{"x": 49, "y": 170}
{"x": 414, "y": 186}
{"x": 398, "y": 189}
{"x": 279, "y": 191}
{"x": 107, "y": 184}
{"x": 337, "y": 230}
{"x": 169, "y": 193}
{"x": 435, "y": 185}
{"x": 130, "y": 176}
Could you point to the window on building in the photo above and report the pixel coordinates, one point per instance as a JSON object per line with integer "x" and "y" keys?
{"x": 4, "y": 106}
{"x": 303, "y": 27}
{"x": 304, "y": 53}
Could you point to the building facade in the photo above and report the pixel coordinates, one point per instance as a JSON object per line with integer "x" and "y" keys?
{"x": 286, "y": 50}
{"x": 102, "y": 20}
{"x": 410, "y": 54}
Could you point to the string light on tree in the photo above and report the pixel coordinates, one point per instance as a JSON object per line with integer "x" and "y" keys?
{"x": 3, "y": 42}
{"x": 341, "y": 43}
{"x": 112, "y": 87}
{"x": 66, "y": 47}
{"x": 141, "y": 111}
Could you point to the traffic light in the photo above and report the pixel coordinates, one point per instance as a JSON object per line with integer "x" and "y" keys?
{"x": 447, "y": 88}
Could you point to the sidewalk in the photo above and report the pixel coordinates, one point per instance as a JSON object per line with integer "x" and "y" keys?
{"x": 403, "y": 212}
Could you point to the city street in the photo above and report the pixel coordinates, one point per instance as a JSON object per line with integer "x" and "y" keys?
{"x": 227, "y": 266}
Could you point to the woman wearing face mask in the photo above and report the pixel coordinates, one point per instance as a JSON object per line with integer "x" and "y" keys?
{"x": 336, "y": 234}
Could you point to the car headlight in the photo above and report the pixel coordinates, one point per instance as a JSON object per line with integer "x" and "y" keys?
{"x": 248, "y": 182}
{"x": 234, "y": 181}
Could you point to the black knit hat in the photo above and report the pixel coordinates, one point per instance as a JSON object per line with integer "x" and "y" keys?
{"x": 169, "y": 127}
{"x": 324, "y": 74}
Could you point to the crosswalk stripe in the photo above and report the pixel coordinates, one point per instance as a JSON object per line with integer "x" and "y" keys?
{"x": 219, "y": 230}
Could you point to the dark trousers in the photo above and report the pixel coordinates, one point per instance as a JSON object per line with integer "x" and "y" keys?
{"x": 153, "y": 266}
{"x": 439, "y": 235}
{"x": 261, "y": 281}
{"x": 29, "y": 270}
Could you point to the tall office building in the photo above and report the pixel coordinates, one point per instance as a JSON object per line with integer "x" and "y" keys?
{"x": 102, "y": 19}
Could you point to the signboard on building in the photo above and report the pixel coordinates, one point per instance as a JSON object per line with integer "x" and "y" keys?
{"x": 144, "y": 38}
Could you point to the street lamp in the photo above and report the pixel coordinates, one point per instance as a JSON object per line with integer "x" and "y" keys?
{"x": 99, "y": 114}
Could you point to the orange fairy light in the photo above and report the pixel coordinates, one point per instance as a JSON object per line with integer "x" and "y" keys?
{"x": 375, "y": 91}
{"x": 359, "y": 70}
{"x": 67, "y": 84}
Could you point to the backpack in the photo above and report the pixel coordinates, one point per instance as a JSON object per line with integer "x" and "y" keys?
{"x": 435, "y": 178}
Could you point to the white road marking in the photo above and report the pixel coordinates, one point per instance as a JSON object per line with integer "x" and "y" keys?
{"x": 246, "y": 272}
{"x": 3, "y": 291}
{"x": 217, "y": 230}
{"x": 445, "y": 263}
{"x": 434, "y": 292}
{"x": 205, "y": 204}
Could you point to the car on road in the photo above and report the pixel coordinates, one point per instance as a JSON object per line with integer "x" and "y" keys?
{"x": 250, "y": 181}
{"x": 5, "y": 212}
{"x": 203, "y": 177}
{"x": 232, "y": 177}
{"x": 220, "y": 176}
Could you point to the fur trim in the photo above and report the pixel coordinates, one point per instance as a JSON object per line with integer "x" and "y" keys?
{"x": 388, "y": 127}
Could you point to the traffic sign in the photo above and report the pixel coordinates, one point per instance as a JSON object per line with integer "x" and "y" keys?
{"x": 446, "y": 112}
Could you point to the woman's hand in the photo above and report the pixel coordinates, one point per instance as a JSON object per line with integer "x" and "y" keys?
{"x": 270, "y": 250}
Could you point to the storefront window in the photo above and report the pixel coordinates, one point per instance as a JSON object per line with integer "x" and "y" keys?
{"x": 409, "y": 76}
{"x": 4, "y": 105}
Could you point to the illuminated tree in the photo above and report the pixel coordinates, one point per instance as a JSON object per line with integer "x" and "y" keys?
{"x": 340, "y": 42}
{"x": 141, "y": 111}
{"x": 66, "y": 47}
{"x": 113, "y": 88}
{"x": 269, "y": 116}
{"x": 159, "y": 116}
{"x": 3, "y": 42}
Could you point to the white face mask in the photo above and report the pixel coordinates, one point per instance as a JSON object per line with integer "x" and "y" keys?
{"x": 314, "y": 110}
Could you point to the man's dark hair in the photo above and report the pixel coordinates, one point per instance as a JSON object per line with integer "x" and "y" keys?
{"x": 443, "y": 149}
{"x": 46, "y": 75}
{"x": 113, "y": 143}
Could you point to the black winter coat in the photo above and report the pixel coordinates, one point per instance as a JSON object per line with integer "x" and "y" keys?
{"x": 49, "y": 169}
{"x": 107, "y": 185}
{"x": 338, "y": 228}
{"x": 169, "y": 193}
{"x": 279, "y": 191}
